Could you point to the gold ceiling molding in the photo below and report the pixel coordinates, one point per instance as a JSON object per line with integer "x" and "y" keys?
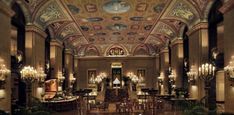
{"x": 35, "y": 28}
{"x": 49, "y": 13}
{"x": 164, "y": 29}
{"x": 201, "y": 25}
{"x": 181, "y": 10}
{"x": 6, "y": 9}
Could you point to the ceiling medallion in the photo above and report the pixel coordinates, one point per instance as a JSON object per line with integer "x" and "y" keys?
{"x": 117, "y": 27}
{"x": 141, "y": 38}
{"x": 95, "y": 19}
{"x": 159, "y": 7}
{"x": 116, "y": 18}
{"x": 84, "y": 28}
{"x": 148, "y": 27}
{"x": 141, "y": 7}
{"x": 116, "y": 6}
{"x": 131, "y": 33}
{"x": 116, "y": 33}
{"x": 135, "y": 27}
{"x": 100, "y": 34}
{"x": 116, "y": 38}
{"x": 91, "y": 8}
{"x": 73, "y": 9}
{"x": 137, "y": 18}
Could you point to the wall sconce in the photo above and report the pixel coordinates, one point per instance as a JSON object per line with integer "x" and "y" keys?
{"x": 171, "y": 77}
{"x": 61, "y": 78}
{"x": 191, "y": 76}
{"x": 160, "y": 79}
{"x": 72, "y": 79}
{"x": 3, "y": 73}
{"x": 41, "y": 76}
{"x": 229, "y": 69}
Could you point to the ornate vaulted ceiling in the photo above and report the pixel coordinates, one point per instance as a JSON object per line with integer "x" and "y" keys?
{"x": 97, "y": 25}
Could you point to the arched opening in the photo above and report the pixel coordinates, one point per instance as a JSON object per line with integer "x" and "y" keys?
{"x": 215, "y": 33}
{"x": 17, "y": 56}
{"x": 47, "y": 55}
{"x": 186, "y": 57}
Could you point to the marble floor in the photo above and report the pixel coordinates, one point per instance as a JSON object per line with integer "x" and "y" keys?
{"x": 112, "y": 111}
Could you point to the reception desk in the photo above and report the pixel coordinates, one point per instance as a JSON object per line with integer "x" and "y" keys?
{"x": 62, "y": 105}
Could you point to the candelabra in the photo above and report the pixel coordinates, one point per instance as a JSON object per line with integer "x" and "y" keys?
{"x": 28, "y": 75}
{"x": 41, "y": 76}
{"x": 191, "y": 76}
{"x": 206, "y": 72}
{"x": 229, "y": 69}
{"x": 3, "y": 73}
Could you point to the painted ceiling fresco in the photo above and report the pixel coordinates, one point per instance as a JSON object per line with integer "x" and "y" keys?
{"x": 144, "y": 25}
{"x": 116, "y": 21}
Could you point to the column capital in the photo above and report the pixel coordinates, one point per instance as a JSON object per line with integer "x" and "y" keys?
{"x": 68, "y": 51}
{"x": 76, "y": 56}
{"x": 196, "y": 27}
{"x": 176, "y": 41}
{"x": 227, "y": 6}
{"x": 164, "y": 50}
{"x": 5, "y": 9}
{"x": 36, "y": 29}
{"x": 55, "y": 42}
{"x": 157, "y": 55}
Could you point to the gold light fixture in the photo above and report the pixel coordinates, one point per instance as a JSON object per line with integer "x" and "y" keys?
{"x": 61, "y": 78}
{"x": 160, "y": 79}
{"x": 41, "y": 76}
{"x": 171, "y": 77}
{"x": 192, "y": 76}
{"x": 207, "y": 73}
{"x": 28, "y": 74}
{"x": 3, "y": 73}
{"x": 229, "y": 69}
{"x": 72, "y": 79}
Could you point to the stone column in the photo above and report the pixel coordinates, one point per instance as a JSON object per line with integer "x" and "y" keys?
{"x": 198, "y": 54}
{"x": 157, "y": 65}
{"x": 56, "y": 50}
{"x": 76, "y": 71}
{"x": 177, "y": 56}
{"x": 68, "y": 66}
{"x": 35, "y": 52}
{"x": 5, "y": 36}
{"x": 228, "y": 11}
{"x": 164, "y": 64}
